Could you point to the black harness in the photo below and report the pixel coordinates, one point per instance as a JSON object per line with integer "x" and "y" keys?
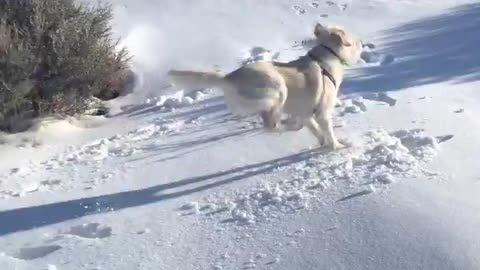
{"x": 324, "y": 71}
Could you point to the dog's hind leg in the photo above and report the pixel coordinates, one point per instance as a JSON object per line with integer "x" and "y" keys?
{"x": 268, "y": 120}
{"x": 272, "y": 118}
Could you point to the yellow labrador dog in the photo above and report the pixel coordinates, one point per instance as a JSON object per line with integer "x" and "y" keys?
{"x": 305, "y": 89}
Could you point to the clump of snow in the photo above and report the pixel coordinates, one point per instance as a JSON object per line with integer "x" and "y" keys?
{"x": 144, "y": 231}
{"x": 382, "y": 97}
{"x": 419, "y": 145}
{"x": 87, "y": 121}
{"x": 353, "y": 105}
{"x": 360, "y": 103}
{"x": 143, "y": 133}
{"x": 169, "y": 126}
{"x": 90, "y": 231}
{"x": 258, "y": 54}
{"x": 178, "y": 99}
{"x": 199, "y": 95}
{"x": 386, "y": 178}
{"x": 371, "y": 56}
{"x": 352, "y": 109}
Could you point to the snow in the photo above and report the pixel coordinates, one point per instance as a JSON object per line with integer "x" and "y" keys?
{"x": 380, "y": 158}
{"x": 171, "y": 180}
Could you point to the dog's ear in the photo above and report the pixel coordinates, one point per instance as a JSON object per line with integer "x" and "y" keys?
{"x": 320, "y": 31}
{"x": 338, "y": 36}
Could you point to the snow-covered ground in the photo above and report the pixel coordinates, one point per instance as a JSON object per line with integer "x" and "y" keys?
{"x": 171, "y": 180}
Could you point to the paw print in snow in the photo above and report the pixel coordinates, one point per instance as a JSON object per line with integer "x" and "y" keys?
{"x": 299, "y": 10}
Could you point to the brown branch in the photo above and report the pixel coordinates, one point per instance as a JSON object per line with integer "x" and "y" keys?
{"x": 6, "y": 86}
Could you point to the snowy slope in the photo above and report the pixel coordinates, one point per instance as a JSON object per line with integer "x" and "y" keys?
{"x": 173, "y": 181}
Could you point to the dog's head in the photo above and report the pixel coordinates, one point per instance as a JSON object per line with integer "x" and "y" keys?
{"x": 345, "y": 44}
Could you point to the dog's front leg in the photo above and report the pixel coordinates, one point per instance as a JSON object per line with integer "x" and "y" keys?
{"x": 316, "y": 130}
{"x": 326, "y": 124}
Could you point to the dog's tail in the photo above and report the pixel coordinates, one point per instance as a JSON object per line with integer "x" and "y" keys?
{"x": 191, "y": 80}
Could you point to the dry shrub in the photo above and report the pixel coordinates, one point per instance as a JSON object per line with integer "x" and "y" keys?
{"x": 54, "y": 56}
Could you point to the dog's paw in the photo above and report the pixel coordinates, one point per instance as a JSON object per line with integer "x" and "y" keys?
{"x": 274, "y": 128}
{"x": 338, "y": 146}
{"x": 335, "y": 146}
{"x": 321, "y": 141}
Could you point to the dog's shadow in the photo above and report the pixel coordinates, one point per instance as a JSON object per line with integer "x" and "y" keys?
{"x": 22, "y": 219}
{"x": 217, "y": 126}
{"x": 435, "y": 49}
{"x": 170, "y": 151}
